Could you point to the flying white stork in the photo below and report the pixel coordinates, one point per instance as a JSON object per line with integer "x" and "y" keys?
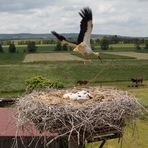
{"x": 83, "y": 42}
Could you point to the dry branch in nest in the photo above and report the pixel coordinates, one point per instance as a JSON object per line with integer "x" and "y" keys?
{"x": 84, "y": 119}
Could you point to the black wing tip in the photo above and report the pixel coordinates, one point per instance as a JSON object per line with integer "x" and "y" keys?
{"x": 54, "y": 33}
{"x": 86, "y": 13}
{"x": 88, "y": 9}
{"x": 58, "y": 36}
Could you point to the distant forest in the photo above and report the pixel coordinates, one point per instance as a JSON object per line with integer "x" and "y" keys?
{"x": 23, "y": 39}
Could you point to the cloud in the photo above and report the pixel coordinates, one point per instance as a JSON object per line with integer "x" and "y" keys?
{"x": 143, "y": 0}
{"x": 41, "y": 16}
{"x": 21, "y": 5}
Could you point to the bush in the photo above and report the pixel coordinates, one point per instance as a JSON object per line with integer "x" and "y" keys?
{"x": 137, "y": 45}
{"x": 65, "y": 47}
{"x": 111, "y": 48}
{"x": 12, "y": 48}
{"x": 146, "y": 45}
{"x": 31, "y": 47}
{"x": 58, "y": 46}
{"x": 1, "y": 48}
{"x": 104, "y": 44}
{"x": 39, "y": 83}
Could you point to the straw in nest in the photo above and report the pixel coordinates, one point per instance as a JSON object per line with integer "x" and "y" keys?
{"x": 49, "y": 111}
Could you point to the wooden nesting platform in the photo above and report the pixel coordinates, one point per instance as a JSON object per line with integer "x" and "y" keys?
{"x": 112, "y": 134}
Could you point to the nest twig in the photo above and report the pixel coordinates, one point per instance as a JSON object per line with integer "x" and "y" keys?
{"x": 84, "y": 119}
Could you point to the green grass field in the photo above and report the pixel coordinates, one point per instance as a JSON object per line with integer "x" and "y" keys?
{"x": 115, "y": 71}
{"x": 136, "y": 55}
{"x": 120, "y": 47}
{"x": 11, "y": 58}
{"x": 14, "y": 75}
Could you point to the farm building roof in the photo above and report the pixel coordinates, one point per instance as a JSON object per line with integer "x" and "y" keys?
{"x": 8, "y": 125}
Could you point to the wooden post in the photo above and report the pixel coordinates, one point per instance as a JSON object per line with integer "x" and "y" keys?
{"x": 102, "y": 144}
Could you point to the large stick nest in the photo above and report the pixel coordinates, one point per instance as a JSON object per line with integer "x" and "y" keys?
{"x": 49, "y": 111}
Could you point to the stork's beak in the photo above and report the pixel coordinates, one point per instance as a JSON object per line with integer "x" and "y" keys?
{"x": 100, "y": 59}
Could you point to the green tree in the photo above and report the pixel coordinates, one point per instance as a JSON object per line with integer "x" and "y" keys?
{"x": 1, "y": 48}
{"x": 12, "y": 48}
{"x": 97, "y": 41}
{"x": 137, "y": 44}
{"x": 115, "y": 39}
{"x": 7, "y": 42}
{"x": 58, "y": 46}
{"x": 92, "y": 42}
{"x": 65, "y": 47}
{"x": 146, "y": 45}
{"x": 31, "y": 47}
{"x": 104, "y": 44}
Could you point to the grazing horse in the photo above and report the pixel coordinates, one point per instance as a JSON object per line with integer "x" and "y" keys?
{"x": 137, "y": 81}
{"x": 82, "y": 82}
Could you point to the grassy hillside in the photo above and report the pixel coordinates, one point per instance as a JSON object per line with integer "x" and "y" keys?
{"x": 115, "y": 68}
{"x": 14, "y": 73}
{"x": 50, "y": 36}
{"x": 115, "y": 71}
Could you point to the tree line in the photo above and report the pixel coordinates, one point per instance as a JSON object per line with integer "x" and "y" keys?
{"x": 103, "y": 43}
{"x": 112, "y": 39}
{"x": 25, "y": 42}
{"x": 138, "y": 45}
{"x": 31, "y": 48}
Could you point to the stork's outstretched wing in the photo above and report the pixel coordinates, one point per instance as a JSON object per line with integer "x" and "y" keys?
{"x": 85, "y": 26}
{"x": 63, "y": 39}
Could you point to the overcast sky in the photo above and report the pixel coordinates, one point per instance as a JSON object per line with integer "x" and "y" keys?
{"x": 121, "y": 17}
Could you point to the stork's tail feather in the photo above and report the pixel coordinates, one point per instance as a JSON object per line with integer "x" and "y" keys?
{"x": 63, "y": 39}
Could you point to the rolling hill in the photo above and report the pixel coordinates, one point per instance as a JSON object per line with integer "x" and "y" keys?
{"x": 25, "y": 36}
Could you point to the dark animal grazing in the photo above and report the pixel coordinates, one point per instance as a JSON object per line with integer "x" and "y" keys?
{"x": 82, "y": 82}
{"x": 135, "y": 82}
{"x": 140, "y": 80}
